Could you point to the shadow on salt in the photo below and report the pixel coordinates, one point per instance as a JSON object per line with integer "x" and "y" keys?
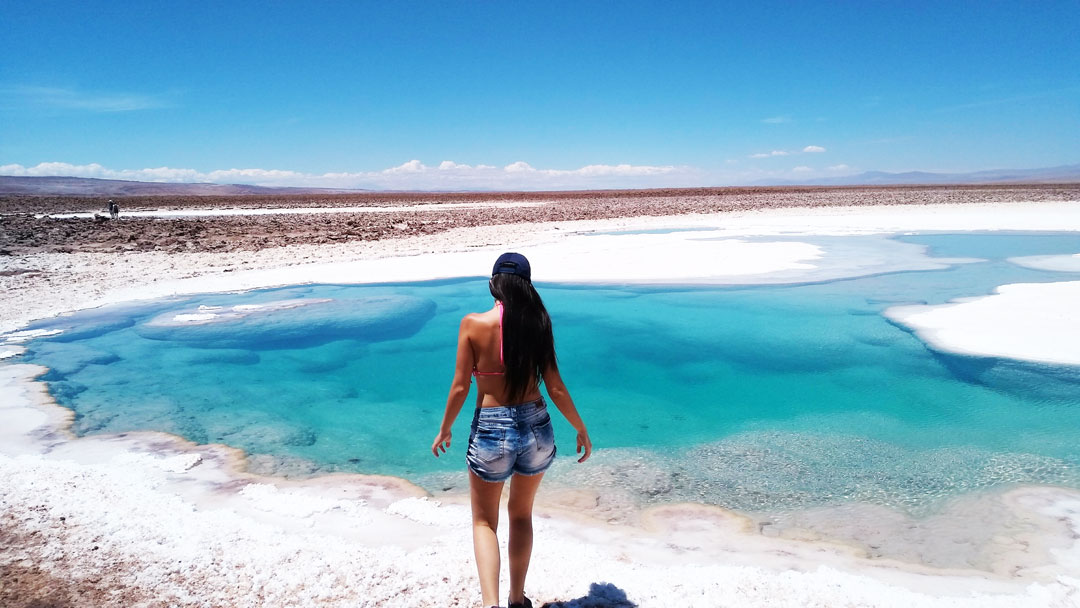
{"x": 604, "y": 595}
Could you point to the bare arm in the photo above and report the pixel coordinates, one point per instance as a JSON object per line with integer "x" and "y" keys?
{"x": 559, "y": 394}
{"x": 459, "y": 388}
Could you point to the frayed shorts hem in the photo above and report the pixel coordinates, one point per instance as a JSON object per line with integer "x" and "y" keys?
{"x": 484, "y": 478}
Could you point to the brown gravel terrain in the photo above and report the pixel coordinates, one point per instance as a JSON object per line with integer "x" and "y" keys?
{"x": 22, "y": 231}
{"x": 25, "y": 584}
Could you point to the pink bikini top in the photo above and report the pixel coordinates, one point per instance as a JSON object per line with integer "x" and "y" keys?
{"x": 475, "y": 372}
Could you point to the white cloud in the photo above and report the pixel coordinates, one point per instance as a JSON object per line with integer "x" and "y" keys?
{"x": 413, "y": 166}
{"x": 160, "y": 174}
{"x": 594, "y": 171}
{"x": 806, "y": 150}
{"x": 768, "y": 154}
{"x": 243, "y": 176}
{"x": 622, "y": 170}
{"x": 801, "y": 169}
{"x": 518, "y": 167}
{"x": 412, "y": 175}
{"x": 840, "y": 167}
{"x": 776, "y": 120}
{"x": 75, "y": 99}
{"x": 449, "y": 165}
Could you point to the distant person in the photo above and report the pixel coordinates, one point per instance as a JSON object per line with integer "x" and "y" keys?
{"x": 511, "y": 434}
{"x": 114, "y": 210}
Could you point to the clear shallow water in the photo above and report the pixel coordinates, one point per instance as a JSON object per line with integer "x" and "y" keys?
{"x": 757, "y": 398}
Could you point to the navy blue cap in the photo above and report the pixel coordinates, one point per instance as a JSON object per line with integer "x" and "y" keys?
{"x": 513, "y": 263}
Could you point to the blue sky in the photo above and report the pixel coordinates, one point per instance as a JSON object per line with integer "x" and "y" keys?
{"x": 534, "y": 95}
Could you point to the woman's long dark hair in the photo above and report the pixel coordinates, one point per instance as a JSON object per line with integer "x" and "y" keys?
{"x": 528, "y": 345}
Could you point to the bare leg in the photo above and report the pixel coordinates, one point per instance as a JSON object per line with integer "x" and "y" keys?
{"x": 522, "y": 493}
{"x": 485, "y": 518}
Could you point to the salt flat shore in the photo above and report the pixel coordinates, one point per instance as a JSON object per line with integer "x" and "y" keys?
{"x": 147, "y": 519}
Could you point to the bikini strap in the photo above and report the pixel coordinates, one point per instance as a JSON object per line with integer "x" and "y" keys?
{"x": 476, "y": 372}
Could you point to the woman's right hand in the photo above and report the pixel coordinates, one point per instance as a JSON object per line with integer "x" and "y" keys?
{"x": 584, "y": 443}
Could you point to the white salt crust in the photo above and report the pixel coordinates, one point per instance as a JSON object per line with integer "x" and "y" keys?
{"x": 176, "y": 524}
{"x": 180, "y": 524}
{"x": 83, "y": 280}
{"x": 1058, "y": 263}
{"x": 217, "y": 314}
{"x": 1030, "y": 321}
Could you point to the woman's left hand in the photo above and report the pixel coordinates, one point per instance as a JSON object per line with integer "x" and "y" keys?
{"x": 442, "y": 442}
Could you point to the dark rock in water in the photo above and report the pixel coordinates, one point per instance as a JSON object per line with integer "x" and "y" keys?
{"x": 65, "y": 359}
{"x": 64, "y": 391}
{"x": 86, "y": 425}
{"x": 965, "y": 368}
{"x": 322, "y": 366}
{"x": 647, "y": 478}
{"x": 301, "y": 437}
{"x": 296, "y": 323}
{"x": 192, "y": 431}
{"x": 224, "y": 356}
{"x": 257, "y": 431}
{"x": 96, "y": 322}
{"x": 1028, "y": 379}
{"x": 286, "y": 466}
{"x": 83, "y": 329}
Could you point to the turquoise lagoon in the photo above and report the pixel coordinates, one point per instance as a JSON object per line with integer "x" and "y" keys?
{"x": 756, "y": 398}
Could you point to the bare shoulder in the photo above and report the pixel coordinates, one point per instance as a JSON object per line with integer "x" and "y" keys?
{"x": 475, "y": 320}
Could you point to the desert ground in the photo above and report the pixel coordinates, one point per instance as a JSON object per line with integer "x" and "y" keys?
{"x": 149, "y": 520}
{"x": 27, "y": 227}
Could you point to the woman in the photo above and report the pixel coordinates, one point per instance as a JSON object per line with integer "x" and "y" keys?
{"x": 509, "y": 349}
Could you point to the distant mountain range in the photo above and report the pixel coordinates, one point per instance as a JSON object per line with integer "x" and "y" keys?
{"x": 88, "y": 186}
{"x": 1047, "y": 175}
{"x": 85, "y": 186}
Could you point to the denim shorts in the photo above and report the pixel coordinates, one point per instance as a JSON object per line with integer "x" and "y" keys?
{"x": 511, "y": 439}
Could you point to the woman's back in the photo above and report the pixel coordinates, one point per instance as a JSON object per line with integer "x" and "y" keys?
{"x": 485, "y": 335}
